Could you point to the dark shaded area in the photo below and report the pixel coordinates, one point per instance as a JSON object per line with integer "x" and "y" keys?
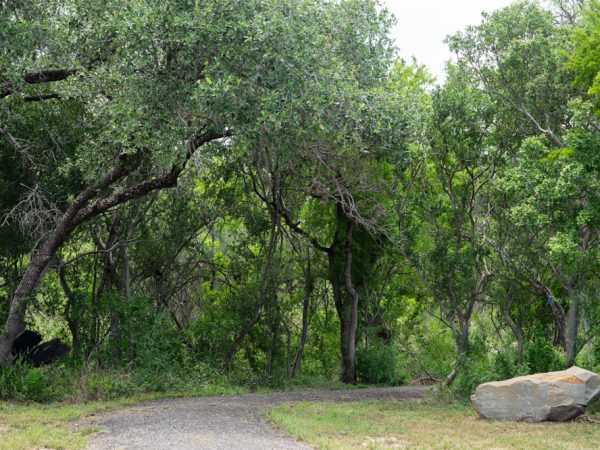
{"x": 25, "y": 343}
{"x": 565, "y": 412}
{"x": 48, "y": 352}
{"x": 28, "y": 347}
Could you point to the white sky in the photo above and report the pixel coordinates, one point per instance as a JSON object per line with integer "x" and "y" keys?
{"x": 423, "y": 25}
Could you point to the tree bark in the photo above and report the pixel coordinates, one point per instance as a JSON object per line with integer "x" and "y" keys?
{"x": 237, "y": 342}
{"x": 572, "y": 327}
{"x": 71, "y": 312}
{"x": 127, "y": 293}
{"x": 349, "y": 317}
{"x": 43, "y": 76}
{"x": 461, "y": 339}
{"x": 308, "y": 288}
{"x": 274, "y": 335}
{"x": 515, "y": 330}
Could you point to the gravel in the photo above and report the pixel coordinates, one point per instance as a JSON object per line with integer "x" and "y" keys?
{"x": 228, "y": 422}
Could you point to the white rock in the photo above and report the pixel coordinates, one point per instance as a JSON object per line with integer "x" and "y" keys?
{"x": 555, "y": 396}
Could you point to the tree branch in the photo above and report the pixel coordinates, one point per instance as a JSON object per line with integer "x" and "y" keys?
{"x": 39, "y": 98}
{"x": 145, "y": 187}
{"x": 43, "y": 76}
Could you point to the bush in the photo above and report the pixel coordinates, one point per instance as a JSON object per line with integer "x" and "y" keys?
{"x": 540, "y": 356}
{"x": 430, "y": 347}
{"x": 505, "y": 365}
{"x": 110, "y": 385}
{"x": 37, "y": 386}
{"x": 379, "y": 366}
{"x": 23, "y": 382}
{"x": 472, "y": 374}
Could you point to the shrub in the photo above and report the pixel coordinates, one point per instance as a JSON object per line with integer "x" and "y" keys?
{"x": 473, "y": 373}
{"x": 37, "y": 386}
{"x": 23, "y": 382}
{"x": 379, "y": 365}
{"x": 505, "y": 365}
{"x": 540, "y": 356}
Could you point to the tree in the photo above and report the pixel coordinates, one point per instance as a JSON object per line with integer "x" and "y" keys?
{"x": 150, "y": 97}
{"x": 517, "y": 54}
{"x": 447, "y": 221}
{"x": 585, "y": 57}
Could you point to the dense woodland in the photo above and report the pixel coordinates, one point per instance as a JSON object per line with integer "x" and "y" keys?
{"x": 261, "y": 191}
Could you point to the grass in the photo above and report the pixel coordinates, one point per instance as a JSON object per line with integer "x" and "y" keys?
{"x": 308, "y": 384}
{"x": 46, "y": 426}
{"x": 425, "y": 425}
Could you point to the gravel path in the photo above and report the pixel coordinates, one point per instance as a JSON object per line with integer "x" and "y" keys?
{"x": 234, "y": 422}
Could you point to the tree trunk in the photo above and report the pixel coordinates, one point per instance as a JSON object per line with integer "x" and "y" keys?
{"x": 274, "y": 335}
{"x": 237, "y": 342}
{"x": 349, "y": 317}
{"x": 71, "y": 312}
{"x": 288, "y": 348}
{"x": 111, "y": 279}
{"x": 348, "y": 349}
{"x": 308, "y": 288}
{"x": 339, "y": 257}
{"x": 15, "y": 322}
{"x": 572, "y": 327}
{"x": 461, "y": 339}
{"x": 95, "y": 310}
{"x": 515, "y": 330}
{"x": 367, "y": 324}
{"x": 127, "y": 292}
{"x": 558, "y": 313}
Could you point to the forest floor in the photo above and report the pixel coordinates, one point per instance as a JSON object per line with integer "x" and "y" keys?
{"x": 226, "y": 422}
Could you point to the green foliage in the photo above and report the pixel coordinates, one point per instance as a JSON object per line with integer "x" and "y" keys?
{"x": 540, "y": 356}
{"x": 379, "y": 365}
{"x": 426, "y": 345}
{"x": 474, "y": 205}
{"x": 23, "y": 382}
{"x": 62, "y": 383}
{"x": 505, "y": 364}
{"x": 471, "y": 375}
{"x": 36, "y": 386}
{"x": 584, "y": 59}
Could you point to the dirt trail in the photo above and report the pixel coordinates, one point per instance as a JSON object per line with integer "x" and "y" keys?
{"x": 216, "y": 422}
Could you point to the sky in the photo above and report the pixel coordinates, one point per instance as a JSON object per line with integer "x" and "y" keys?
{"x": 423, "y": 25}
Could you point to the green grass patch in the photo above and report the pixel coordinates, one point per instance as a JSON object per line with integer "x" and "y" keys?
{"x": 46, "y": 426}
{"x": 427, "y": 424}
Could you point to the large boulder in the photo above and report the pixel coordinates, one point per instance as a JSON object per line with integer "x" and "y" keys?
{"x": 554, "y": 396}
